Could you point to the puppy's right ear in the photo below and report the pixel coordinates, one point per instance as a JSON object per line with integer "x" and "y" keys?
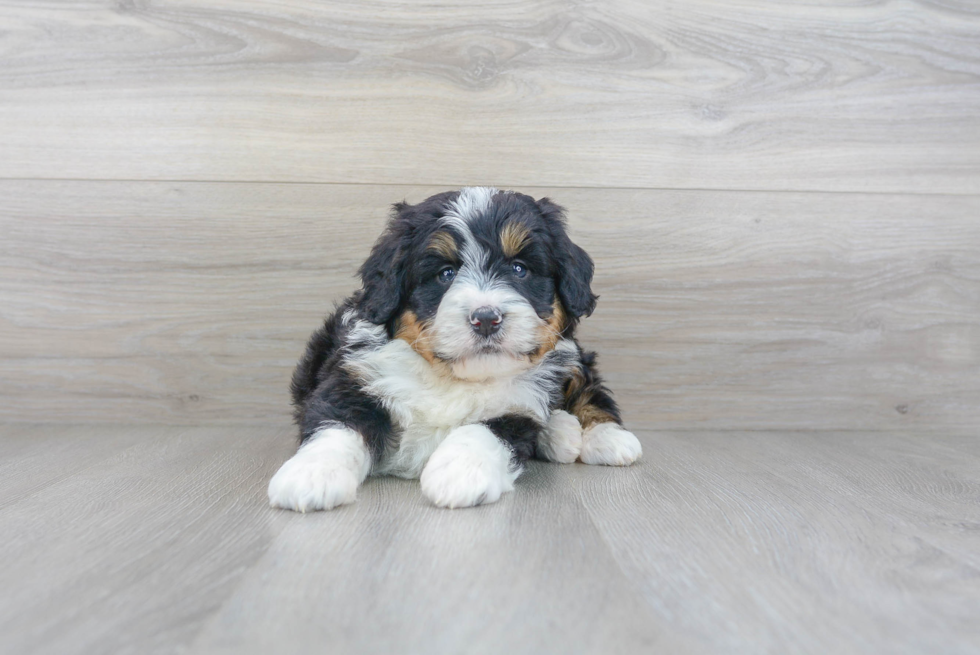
{"x": 383, "y": 275}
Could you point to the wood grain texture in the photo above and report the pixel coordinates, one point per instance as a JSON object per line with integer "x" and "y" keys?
{"x": 394, "y": 574}
{"x": 833, "y": 95}
{"x": 131, "y": 555}
{"x": 25, "y": 468}
{"x": 190, "y": 303}
{"x": 825, "y": 535}
{"x": 765, "y": 542}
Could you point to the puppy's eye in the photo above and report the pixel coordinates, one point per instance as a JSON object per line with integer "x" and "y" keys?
{"x": 447, "y": 274}
{"x": 519, "y": 269}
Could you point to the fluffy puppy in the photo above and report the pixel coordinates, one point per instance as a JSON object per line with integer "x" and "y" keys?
{"x": 456, "y": 361}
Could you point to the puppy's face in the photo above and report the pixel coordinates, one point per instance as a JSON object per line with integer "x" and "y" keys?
{"x": 481, "y": 281}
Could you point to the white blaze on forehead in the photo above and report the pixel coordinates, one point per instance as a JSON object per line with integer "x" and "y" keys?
{"x": 468, "y": 205}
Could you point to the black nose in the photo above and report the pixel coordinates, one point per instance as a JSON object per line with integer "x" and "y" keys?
{"x": 486, "y": 321}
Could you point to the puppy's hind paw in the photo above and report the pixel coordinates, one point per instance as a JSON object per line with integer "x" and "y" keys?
{"x": 610, "y": 445}
{"x": 561, "y": 440}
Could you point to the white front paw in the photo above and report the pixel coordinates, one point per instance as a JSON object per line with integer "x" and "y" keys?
{"x": 561, "y": 440}
{"x": 323, "y": 474}
{"x": 609, "y": 444}
{"x": 470, "y": 467}
{"x": 307, "y": 486}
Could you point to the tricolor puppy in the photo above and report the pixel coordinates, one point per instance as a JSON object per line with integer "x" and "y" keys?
{"x": 455, "y": 362}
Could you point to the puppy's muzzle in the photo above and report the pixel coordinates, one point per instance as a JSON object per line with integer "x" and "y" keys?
{"x": 486, "y": 321}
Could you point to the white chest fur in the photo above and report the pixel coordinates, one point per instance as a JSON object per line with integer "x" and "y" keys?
{"x": 426, "y": 405}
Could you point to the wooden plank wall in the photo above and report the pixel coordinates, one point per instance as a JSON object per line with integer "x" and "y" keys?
{"x": 783, "y": 200}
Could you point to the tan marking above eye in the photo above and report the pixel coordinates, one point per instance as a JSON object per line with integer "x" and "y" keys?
{"x": 514, "y": 237}
{"x": 444, "y": 244}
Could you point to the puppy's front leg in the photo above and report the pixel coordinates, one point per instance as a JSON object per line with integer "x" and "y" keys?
{"x": 477, "y": 463}
{"x": 324, "y": 473}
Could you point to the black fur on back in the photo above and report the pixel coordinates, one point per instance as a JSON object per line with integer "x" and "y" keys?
{"x": 324, "y": 392}
{"x": 320, "y": 348}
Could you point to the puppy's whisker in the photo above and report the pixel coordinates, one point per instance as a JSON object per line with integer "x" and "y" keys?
{"x": 551, "y": 330}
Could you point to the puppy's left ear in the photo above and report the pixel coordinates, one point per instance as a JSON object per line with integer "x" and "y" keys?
{"x": 383, "y": 276}
{"x": 574, "y": 278}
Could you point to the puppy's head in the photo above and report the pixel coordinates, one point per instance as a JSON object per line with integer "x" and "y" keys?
{"x": 480, "y": 280}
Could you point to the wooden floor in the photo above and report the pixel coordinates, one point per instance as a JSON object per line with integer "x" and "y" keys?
{"x": 158, "y": 539}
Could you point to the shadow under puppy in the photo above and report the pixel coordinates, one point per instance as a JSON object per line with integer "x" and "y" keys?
{"x": 456, "y": 361}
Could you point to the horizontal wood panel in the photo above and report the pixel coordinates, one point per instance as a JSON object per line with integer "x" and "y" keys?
{"x": 190, "y": 302}
{"x": 833, "y": 95}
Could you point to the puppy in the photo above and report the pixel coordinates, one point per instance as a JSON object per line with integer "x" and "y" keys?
{"x": 456, "y": 361}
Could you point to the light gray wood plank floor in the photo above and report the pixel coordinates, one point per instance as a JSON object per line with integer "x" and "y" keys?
{"x": 155, "y": 539}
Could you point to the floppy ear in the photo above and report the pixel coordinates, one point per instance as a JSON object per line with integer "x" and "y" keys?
{"x": 383, "y": 275}
{"x": 574, "y": 276}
